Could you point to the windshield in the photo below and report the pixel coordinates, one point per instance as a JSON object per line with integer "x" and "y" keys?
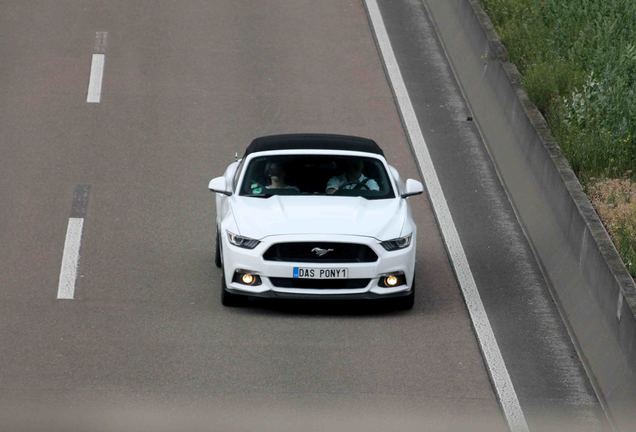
{"x": 316, "y": 175}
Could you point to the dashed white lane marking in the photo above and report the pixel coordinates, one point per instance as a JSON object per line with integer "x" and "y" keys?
{"x": 488, "y": 344}
{"x": 95, "y": 82}
{"x": 94, "y": 94}
{"x": 70, "y": 259}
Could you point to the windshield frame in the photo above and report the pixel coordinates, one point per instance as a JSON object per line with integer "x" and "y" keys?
{"x": 338, "y": 153}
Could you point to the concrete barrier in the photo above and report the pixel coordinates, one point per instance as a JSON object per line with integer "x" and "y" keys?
{"x": 594, "y": 292}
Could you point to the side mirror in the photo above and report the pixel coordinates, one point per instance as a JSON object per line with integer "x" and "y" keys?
{"x": 413, "y": 187}
{"x": 218, "y": 185}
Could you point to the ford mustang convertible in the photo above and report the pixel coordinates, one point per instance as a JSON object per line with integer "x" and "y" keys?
{"x": 315, "y": 216}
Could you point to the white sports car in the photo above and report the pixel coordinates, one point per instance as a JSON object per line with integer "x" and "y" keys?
{"x": 315, "y": 216}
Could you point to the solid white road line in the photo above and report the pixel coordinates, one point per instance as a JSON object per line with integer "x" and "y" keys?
{"x": 490, "y": 350}
{"x": 70, "y": 259}
{"x": 95, "y": 82}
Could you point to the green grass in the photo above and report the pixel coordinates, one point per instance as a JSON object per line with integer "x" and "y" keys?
{"x": 578, "y": 62}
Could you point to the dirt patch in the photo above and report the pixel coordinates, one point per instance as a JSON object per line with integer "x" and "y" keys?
{"x": 615, "y": 203}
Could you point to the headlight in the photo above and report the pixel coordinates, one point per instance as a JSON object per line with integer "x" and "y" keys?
{"x": 398, "y": 243}
{"x": 242, "y": 242}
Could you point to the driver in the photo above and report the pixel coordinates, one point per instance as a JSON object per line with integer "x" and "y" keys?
{"x": 352, "y": 179}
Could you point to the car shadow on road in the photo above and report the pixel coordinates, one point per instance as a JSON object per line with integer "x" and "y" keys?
{"x": 325, "y": 307}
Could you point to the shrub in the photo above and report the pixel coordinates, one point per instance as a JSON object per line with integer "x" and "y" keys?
{"x": 578, "y": 62}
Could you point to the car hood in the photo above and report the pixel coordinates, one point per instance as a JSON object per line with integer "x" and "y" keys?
{"x": 282, "y": 215}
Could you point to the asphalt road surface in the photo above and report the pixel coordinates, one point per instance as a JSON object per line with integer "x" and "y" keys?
{"x": 145, "y": 341}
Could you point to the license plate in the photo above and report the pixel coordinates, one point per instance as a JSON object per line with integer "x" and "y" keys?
{"x": 320, "y": 273}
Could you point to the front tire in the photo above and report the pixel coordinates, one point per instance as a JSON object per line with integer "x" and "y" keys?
{"x": 228, "y": 299}
{"x": 218, "y": 261}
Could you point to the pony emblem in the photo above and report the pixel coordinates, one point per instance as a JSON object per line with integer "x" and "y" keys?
{"x": 320, "y": 251}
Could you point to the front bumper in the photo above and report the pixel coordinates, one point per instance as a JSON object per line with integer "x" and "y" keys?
{"x": 235, "y": 258}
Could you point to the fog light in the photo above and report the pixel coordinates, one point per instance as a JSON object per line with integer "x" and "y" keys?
{"x": 244, "y": 277}
{"x": 391, "y": 280}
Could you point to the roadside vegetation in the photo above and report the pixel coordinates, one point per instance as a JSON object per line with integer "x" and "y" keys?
{"x": 578, "y": 62}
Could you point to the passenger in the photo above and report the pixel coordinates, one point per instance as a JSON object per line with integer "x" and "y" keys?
{"x": 275, "y": 176}
{"x": 353, "y": 178}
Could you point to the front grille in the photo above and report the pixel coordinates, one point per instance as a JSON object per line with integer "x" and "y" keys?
{"x": 319, "y": 283}
{"x": 307, "y": 252}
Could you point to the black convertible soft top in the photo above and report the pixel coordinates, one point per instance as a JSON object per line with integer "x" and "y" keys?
{"x": 313, "y": 141}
